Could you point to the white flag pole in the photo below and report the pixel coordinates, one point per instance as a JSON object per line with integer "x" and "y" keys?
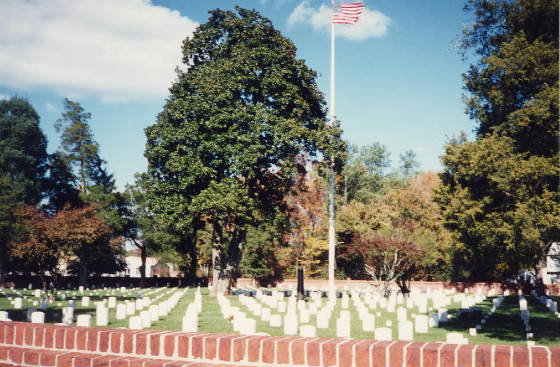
{"x": 332, "y": 291}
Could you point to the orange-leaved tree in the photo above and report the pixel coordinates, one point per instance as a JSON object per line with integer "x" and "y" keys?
{"x": 308, "y": 222}
{"x": 51, "y": 242}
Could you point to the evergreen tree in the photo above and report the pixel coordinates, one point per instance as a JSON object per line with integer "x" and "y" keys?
{"x": 23, "y": 165}
{"x": 81, "y": 149}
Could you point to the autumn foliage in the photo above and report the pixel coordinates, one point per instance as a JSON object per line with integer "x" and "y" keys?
{"x": 51, "y": 242}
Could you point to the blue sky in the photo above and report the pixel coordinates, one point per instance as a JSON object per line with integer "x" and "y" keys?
{"x": 398, "y": 73}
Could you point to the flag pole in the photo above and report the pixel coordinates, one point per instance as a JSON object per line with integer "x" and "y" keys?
{"x": 332, "y": 291}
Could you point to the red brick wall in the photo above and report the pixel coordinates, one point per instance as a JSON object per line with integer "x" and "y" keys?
{"x": 26, "y": 344}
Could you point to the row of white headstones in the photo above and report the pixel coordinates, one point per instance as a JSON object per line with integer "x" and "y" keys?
{"x": 294, "y": 315}
{"x": 525, "y": 314}
{"x": 147, "y": 312}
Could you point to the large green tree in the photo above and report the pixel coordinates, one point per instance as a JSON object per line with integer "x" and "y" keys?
{"x": 223, "y": 149}
{"x": 23, "y": 165}
{"x": 500, "y": 193}
{"x": 23, "y": 149}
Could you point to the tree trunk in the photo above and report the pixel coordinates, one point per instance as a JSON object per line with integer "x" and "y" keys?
{"x": 224, "y": 263}
{"x": 216, "y": 252}
{"x": 143, "y": 256}
{"x": 345, "y": 190}
{"x": 83, "y": 274}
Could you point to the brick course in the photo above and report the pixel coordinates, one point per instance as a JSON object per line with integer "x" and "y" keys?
{"x": 25, "y": 344}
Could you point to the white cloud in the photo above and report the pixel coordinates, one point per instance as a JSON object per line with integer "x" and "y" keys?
{"x": 3, "y": 96}
{"x": 111, "y": 49}
{"x": 372, "y": 24}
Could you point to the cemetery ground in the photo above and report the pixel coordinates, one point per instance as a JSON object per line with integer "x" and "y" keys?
{"x": 494, "y": 325}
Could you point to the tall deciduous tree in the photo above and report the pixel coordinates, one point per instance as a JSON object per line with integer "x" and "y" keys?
{"x": 307, "y": 206}
{"x": 51, "y": 242}
{"x": 223, "y": 149}
{"x": 500, "y": 193}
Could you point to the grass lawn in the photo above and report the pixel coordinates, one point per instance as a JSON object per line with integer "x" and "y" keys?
{"x": 504, "y": 326}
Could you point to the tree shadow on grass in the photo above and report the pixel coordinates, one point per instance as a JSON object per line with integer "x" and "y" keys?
{"x": 505, "y": 323}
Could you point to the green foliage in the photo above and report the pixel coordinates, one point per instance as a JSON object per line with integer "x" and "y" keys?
{"x": 364, "y": 173}
{"x": 261, "y": 255}
{"x": 502, "y": 206}
{"x": 409, "y": 164}
{"x": 60, "y": 186}
{"x": 23, "y": 164}
{"x": 500, "y": 193}
{"x": 223, "y": 149}
{"x": 23, "y": 150}
{"x": 82, "y": 151}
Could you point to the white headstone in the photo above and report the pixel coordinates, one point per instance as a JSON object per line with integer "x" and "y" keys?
{"x": 101, "y": 315}
{"x": 4, "y": 316}
{"x": 265, "y": 314}
{"x": 323, "y": 318}
{"x": 146, "y": 319}
{"x": 121, "y": 311}
{"x": 85, "y": 301}
{"x": 383, "y": 333}
{"x": 368, "y": 322}
{"x": 522, "y": 303}
{"x": 303, "y": 317}
{"x": 154, "y": 312}
{"x": 308, "y": 331}
{"x": 290, "y": 324}
{"x": 135, "y": 323}
{"x": 248, "y": 326}
{"x": 434, "y": 319}
{"x": 343, "y": 325}
{"x": 275, "y": 320}
{"x": 456, "y": 338}
{"x": 38, "y": 317}
{"x": 67, "y": 315}
{"x": 130, "y": 308}
{"x": 190, "y": 322}
{"x": 112, "y": 302}
{"x": 83, "y": 320}
{"x": 18, "y": 303}
{"x": 472, "y": 331}
{"x": 37, "y": 293}
{"x": 406, "y": 330}
{"x": 421, "y": 324}
{"x": 401, "y": 314}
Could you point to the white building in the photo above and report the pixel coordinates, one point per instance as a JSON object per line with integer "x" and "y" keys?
{"x": 551, "y": 274}
{"x": 133, "y": 264}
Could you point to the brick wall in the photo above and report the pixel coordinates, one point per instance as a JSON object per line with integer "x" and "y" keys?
{"x": 26, "y": 344}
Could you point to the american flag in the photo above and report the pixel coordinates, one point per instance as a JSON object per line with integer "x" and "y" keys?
{"x": 347, "y": 13}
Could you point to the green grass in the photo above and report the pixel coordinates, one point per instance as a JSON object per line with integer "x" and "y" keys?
{"x": 504, "y": 326}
